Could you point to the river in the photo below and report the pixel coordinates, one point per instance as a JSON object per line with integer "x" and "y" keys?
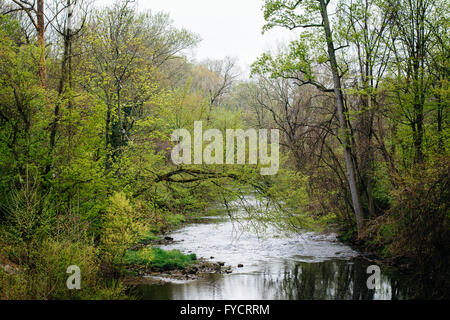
{"x": 276, "y": 266}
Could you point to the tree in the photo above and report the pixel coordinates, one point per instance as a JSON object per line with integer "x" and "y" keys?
{"x": 215, "y": 78}
{"x": 363, "y": 25}
{"x": 69, "y": 28}
{"x": 412, "y": 40}
{"x": 35, "y": 12}
{"x": 127, "y": 51}
{"x": 306, "y": 14}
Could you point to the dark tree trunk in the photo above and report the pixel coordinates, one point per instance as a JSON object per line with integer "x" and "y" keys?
{"x": 41, "y": 41}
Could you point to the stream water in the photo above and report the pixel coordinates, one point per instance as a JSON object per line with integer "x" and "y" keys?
{"x": 277, "y": 266}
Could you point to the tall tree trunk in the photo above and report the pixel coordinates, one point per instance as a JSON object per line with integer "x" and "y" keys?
{"x": 439, "y": 120}
{"x": 418, "y": 110}
{"x": 41, "y": 42}
{"x": 65, "y": 83}
{"x": 351, "y": 175}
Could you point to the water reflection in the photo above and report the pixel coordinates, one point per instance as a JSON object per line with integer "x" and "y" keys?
{"x": 283, "y": 280}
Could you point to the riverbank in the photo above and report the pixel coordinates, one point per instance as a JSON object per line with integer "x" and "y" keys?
{"x": 147, "y": 263}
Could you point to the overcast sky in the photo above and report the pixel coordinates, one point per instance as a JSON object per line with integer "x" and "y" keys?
{"x": 227, "y": 27}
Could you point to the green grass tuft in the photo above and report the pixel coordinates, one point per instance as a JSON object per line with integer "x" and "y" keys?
{"x": 148, "y": 236}
{"x": 160, "y": 259}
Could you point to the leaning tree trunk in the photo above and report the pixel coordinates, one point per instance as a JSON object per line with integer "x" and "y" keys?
{"x": 351, "y": 175}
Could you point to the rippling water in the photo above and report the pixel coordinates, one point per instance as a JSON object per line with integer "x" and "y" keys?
{"x": 276, "y": 266}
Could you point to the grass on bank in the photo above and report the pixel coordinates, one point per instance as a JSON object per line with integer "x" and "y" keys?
{"x": 149, "y": 236}
{"x": 159, "y": 259}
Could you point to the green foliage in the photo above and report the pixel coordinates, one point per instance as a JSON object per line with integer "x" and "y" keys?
{"x": 290, "y": 14}
{"x": 122, "y": 228}
{"x": 85, "y": 170}
{"x": 44, "y": 277}
{"x": 148, "y": 236}
{"x": 159, "y": 259}
{"x": 418, "y": 221}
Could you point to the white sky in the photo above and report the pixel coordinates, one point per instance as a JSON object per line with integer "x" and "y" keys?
{"x": 227, "y": 27}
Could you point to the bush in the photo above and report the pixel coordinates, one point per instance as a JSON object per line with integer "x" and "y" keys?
{"x": 418, "y": 224}
{"x": 122, "y": 227}
{"x": 44, "y": 276}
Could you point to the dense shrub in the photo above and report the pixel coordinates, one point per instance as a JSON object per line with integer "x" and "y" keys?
{"x": 44, "y": 276}
{"x": 122, "y": 228}
{"x": 418, "y": 224}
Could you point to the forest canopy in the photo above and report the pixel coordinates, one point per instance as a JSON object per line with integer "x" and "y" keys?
{"x": 90, "y": 96}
